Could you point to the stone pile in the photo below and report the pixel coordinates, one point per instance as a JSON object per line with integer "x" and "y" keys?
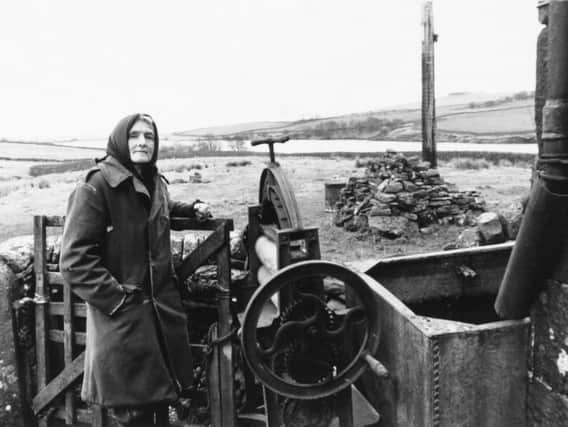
{"x": 400, "y": 194}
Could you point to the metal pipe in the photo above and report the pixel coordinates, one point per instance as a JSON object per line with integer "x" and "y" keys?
{"x": 543, "y": 235}
{"x": 555, "y": 112}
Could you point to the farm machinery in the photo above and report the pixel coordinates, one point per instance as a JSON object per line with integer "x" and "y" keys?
{"x": 413, "y": 341}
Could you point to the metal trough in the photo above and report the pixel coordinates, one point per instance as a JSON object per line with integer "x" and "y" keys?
{"x": 451, "y": 361}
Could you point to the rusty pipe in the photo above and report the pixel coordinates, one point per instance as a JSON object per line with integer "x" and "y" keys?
{"x": 555, "y": 112}
{"x": 543, "y": 235}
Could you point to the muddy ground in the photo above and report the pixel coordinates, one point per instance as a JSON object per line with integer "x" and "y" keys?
{"x": 231, "y": 189}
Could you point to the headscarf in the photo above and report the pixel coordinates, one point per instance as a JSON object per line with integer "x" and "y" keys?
{"x": 117, "y": 147}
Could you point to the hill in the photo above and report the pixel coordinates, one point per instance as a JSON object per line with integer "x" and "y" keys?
{"x": 461, "y": 117}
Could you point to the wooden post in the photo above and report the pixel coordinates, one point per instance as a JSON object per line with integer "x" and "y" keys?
{"x": 41, "y": 308}
{"x": 428, "y": 93}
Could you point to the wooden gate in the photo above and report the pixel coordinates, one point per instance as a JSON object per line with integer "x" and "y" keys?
{"x": 60, "y": 323}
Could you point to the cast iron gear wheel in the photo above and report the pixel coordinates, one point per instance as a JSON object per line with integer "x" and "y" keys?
{"x": 262, "y": 359}
{"x": 309, "y": 362}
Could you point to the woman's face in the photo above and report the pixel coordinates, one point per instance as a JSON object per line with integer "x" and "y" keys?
{"x": 141, "y": 142}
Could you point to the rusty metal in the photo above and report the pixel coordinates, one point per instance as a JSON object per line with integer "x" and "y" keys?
{"x": 276, "y": 196}
{"x": 307, "y": 327}
{"x": 543, "y": 233}
{"x": 270, "y": 142}
{"x": 277, "y": 199}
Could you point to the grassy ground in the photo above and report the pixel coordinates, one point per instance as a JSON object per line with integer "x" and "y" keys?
{"x": 230, "y": 190}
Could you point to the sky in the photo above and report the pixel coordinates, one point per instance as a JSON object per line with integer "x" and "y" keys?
{"x": 73, "y": 68}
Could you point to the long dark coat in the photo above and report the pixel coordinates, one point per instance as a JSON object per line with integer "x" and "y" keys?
{"x": 117, "y": 239}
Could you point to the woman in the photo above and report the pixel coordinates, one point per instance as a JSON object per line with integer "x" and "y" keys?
{"x": 116, "y": 256}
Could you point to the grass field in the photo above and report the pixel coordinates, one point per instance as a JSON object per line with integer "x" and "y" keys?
{"x": 518, "y": 119}
{"x": 230, "y": 190}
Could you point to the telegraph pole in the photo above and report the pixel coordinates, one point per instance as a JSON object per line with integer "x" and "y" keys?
{"x": 428, "y": 93}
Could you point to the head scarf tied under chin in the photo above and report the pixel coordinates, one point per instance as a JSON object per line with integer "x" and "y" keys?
{"x": 117, "y": 147}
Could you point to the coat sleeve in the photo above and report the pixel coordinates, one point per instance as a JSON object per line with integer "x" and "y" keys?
{"x": 181, "y": 209}
{"x": 81, "y": 261}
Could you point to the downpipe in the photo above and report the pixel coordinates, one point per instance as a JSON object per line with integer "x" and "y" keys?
{"x": 541, "y": 249}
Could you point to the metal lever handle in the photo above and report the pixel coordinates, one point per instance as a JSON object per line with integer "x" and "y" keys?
{"x": 376, "y": 367}
{"x": 270, "y": 142}
{"x": 280, "y": 140}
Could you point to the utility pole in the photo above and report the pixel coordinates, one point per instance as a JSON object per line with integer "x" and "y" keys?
{"x": 428, "y": 93}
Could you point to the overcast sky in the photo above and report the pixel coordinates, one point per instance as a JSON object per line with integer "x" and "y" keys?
{"x": 73, "y": 68}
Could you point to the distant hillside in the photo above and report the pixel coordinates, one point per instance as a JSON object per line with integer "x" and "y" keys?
{"x": 231, "y": 129}
{"x": 462, "y": 117}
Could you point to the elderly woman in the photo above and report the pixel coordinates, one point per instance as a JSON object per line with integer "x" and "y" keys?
{"x": 116, "y": 256}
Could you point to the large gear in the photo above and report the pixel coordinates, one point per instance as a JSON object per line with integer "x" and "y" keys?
{"x": 308, "y": 361}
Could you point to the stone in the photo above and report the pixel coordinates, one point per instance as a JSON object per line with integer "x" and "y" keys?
{"x": 404, "y": 186}
{"x": 439, "y": 203}
{"x": 391, "y": 227}
{"x": 17, "y": 252}
{"x": 545, "y": 407}
{"x": 426, "y": 218}
{"x": 410, "y": 216}
{"x": 385, "y": 198}
{"x": 469, "y": 238}
{"x": 11, "y": 411}
{"x": 447, "y": 210}
{"x": 380, "y": 211}
{"x": 490, "y": 228}
{"x": 406, "y": 199}
{"x": 391, "y": 187}
{"x": 511, "y": 221}
{"x": 430, "y": 173}
{"x": 363, "y": 204}
{"x": 410, "y": 186}
{"x": 420, "y": 206}
{"x": 549, "y": 317}
{"x": 238, "y": 248}
{"x": 361, "y": 222}
{"x": 427, "y": 230}
{"x": 423, "y": 166}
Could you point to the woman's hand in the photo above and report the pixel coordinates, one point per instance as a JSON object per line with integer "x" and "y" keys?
{"x": 202, "y": 211}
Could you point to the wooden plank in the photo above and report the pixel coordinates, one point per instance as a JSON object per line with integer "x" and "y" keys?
{"x": 200, "y": 255}
{"x": 254, "y": 231}
{"x": 55, "y": 278}
{"x": 68, "y": 342}
{"x": 63, "y": 380}
{"x": 40, "y": 307}
{"x": 83, "y": 415}
{"x": 428, "y": 91}
{"x": 416, "y": 278}
{"x": 57, "y": 308}
{"x": 214, "y": 381}
{"x": 58, "y": 336}
{"x": 179, "y": 224}
{"x": 225, "y": 352}
{"x": 98, "y": 416}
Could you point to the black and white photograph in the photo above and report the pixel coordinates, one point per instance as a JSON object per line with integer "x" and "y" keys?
{"x": 284, "y": 213}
